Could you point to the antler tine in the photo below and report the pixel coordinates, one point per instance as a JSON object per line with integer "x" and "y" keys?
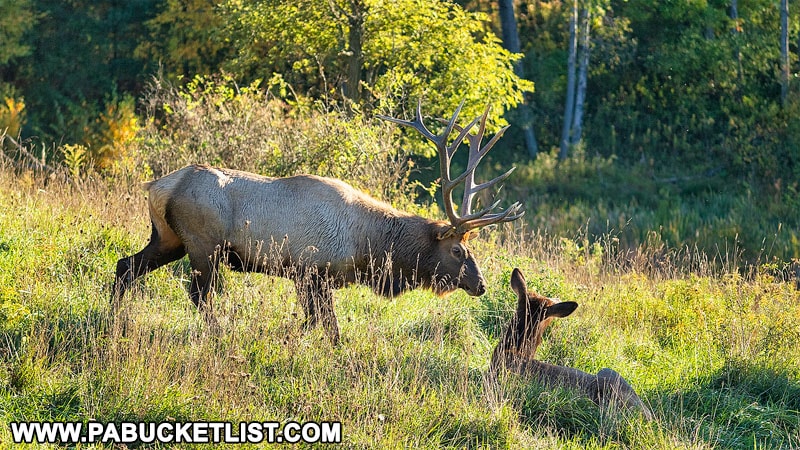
{"x": 445, "y": 157}
{"x": 445, "y": 152}
{"x": 475, "y": 156}
{"x": 467, "y": 220}
{"x": 448, "y": 183}
{"x": 470, "y": 215}
{"x": 415, "y": 124}
{"x": 508, "y": 215}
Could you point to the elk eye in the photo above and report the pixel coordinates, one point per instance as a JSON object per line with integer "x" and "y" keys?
{"x": 457, "y": 252}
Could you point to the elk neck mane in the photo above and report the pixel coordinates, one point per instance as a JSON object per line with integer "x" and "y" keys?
{"x": 407, "y": 239}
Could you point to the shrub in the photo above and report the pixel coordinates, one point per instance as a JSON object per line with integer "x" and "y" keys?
{"x": 12, "y": 115}
{"x": 214, "y": 121}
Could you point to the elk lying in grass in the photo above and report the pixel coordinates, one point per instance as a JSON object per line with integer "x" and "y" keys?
{"x": 517, "y": 349}
{"x": 320, "y": 232}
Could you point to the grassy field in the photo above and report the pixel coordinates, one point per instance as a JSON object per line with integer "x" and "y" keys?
{"x": 715, "y": 353}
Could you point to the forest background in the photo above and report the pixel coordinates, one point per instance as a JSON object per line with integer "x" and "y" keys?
{"x": 657, "y": 147}
{"x": 685, "y": 129}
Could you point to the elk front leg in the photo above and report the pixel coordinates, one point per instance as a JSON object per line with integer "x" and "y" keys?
{"x": 157, "y": 253}
{"x": 315, "y": 295}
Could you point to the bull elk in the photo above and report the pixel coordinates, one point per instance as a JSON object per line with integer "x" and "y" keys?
{"x": 320, "y": 232}
{"x": 517, "y": 349}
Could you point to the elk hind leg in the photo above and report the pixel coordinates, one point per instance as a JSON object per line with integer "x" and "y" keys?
{"x": 205, "y": 270}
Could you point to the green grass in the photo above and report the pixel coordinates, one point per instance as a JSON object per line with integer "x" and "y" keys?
{"x": 715, "y": 354}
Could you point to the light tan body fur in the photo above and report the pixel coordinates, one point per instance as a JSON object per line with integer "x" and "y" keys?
{"x": 320, "y": 232}
{"x": 311, "y": 220}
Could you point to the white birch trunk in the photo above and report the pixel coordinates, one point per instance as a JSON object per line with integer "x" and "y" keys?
{"x": 583, "y": 73}
{"x": 569, "y": 104}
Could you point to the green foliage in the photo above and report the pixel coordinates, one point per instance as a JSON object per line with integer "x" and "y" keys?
{"x": 74, "y": 159}
{"x": 412, "y": 49}
{"x": 17, "y": 17}
{"x": 642, "y": 205}
{"x": 81, "y": 53}
{"x": 184, "y": 37}
{"x": 215, "y": 121}
{"x": 443, "y": 54}
{"x": 678, "y": 85}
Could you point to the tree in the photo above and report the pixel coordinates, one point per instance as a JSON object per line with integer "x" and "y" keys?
{"x": 577, "y": 76}
{"x": 355, "y": 46}
{"x": 583, "y": 73}
{"x": 185, "y": 37}
{"x": 682, "y": 96}
{"x": 511, "y": 42}
{"x": 784, "y": 6}
{"x": 569, "y": 105}
{"x": 16, "y": 19}
{"x": 81, "y": 56}
{"x": 411, "y": 49}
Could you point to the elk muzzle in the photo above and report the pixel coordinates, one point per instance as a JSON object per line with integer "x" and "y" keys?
{"x": 471, "y": 279}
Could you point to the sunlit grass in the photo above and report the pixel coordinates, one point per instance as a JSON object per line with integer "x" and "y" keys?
{"x": 715, "y": 354}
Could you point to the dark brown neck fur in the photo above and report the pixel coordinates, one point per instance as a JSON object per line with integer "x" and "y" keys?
{"x": 400, "y": 258}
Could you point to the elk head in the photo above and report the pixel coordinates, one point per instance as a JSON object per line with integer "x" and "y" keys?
{"x": 456, "y": 266}
{"x": 517, "y": 348}
{"x": 533, "y": 315}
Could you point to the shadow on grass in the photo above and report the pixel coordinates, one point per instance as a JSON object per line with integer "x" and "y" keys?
{"x": 741, "y": 406}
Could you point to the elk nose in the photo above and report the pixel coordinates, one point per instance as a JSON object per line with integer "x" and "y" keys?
{"x": 481, "y": 288}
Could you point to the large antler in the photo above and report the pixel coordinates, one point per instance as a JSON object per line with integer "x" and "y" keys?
{"x": 467, "y": 220}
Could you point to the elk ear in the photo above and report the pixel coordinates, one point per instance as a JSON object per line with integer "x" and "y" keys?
{"x": 470, "y": 235}
{"x": 562, "y": 309}
{"x": 445, "y": 232}
{"x": 518, "y": 284}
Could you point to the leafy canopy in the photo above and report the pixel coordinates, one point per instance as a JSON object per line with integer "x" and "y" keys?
{"x": 410, "y": 49}
{"x": 16, "y": 18}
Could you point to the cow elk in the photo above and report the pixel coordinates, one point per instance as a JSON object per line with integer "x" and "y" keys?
{"x": 517, "y": 349}
{"x": 319, "y": 232}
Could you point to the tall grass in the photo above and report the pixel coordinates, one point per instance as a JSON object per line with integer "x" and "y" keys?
{"x": 714, "y": 350}
{"x": 716, "y": 355}
{"x": 640, "y": 204}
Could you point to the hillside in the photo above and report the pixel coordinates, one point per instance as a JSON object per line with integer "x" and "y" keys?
{"x": 714, "y": 353}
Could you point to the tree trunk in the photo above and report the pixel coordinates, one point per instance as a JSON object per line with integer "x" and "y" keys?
{"x": 736, "y": 31}
{"x": 355, "y": 63}
{"x": 569, "y": 104}
{"x": 583, "y": 73}
{"x": 784, "y": 51}
{"x": 508, "y": 23}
